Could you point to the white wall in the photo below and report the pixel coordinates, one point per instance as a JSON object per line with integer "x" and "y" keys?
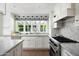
{"x": 25, "y": 8}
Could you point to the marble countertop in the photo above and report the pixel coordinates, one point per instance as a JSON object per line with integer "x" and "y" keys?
{"x": 72, "y": 48}
{"x": 6, "y": 44}
{"x": 31, "y": 35}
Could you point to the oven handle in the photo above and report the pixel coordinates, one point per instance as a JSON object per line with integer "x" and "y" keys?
{"x": 57, "y": 46}
{"x": 55, "y": 51}
{"x": 54, "y": 41}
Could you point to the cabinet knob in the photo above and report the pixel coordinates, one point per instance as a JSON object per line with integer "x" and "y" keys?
{"x": 54, "y": 16}
{"x": 77, "y": 20}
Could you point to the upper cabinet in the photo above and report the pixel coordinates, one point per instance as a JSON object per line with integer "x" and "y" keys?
{"x": 1, "y": 24}
{"x": 2, "y": 8}
{"x": 76, "y": 14}
{"x": 63, "y": 11}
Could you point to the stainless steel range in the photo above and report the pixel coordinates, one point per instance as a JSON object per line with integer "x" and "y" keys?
{"x": 55, "y": 47}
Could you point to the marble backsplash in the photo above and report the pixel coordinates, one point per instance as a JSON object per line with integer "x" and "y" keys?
{"x": 69, "y": 30}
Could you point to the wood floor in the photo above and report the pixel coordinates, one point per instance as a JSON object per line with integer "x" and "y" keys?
{"x": 41, "y": 52}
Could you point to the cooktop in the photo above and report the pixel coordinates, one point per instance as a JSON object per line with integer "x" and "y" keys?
{"x": 64, "y": 40}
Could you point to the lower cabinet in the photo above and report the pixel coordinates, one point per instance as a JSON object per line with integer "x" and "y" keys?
{"x": 29, "y": 42}
{"x": 10, "y": 53}
{"x": 16, "y": 51}
{"x": 35, "y": 42}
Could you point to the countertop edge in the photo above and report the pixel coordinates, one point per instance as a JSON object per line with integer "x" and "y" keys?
{"x": 12, "y": 47}
{"x": 67, "y": 50}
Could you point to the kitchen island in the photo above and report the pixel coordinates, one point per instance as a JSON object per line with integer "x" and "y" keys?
{"x": 9, "y": 47}
{"x": 70, "y": 49}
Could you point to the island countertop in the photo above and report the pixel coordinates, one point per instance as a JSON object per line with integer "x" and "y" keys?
{"x": 72, "y": 48}
{"x": 6, "y": 44}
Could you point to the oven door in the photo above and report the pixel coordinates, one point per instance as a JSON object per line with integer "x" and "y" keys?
{"x": 52, "y": 52}
{"x": 54, "y": 48}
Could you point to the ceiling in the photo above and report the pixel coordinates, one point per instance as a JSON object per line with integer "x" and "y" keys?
{"x": 30, "y": 8}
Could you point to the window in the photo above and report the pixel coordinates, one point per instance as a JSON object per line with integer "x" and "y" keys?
{"x": 29, "y": 25}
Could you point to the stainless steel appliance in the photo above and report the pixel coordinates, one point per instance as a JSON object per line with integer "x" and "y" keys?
{"x": 55, "y": 47}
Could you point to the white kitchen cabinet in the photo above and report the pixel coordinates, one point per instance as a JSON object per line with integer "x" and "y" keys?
{"x": 38, "y": 42}
{"x": 45, "y": 42}
{"x": 29, "y": 42}
{"x": 76, "y": 22}
{"x": 63, "y": 11}
{"x": 1, "y": 24}
{"x": 10, "y": 53}
{"x": 16, "y": 51}
{"x": 42, "y": 42}
{"x": 56, "y": 13}
{"x": 2, "y": 8}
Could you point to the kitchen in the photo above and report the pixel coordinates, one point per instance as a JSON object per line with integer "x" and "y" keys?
{"x": 39, "y": 29}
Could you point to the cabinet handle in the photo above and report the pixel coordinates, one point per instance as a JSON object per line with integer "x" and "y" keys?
{"x": 77, "y": 20}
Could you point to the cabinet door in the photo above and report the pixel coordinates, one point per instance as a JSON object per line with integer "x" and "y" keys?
{"x": 76, "y": 23}
{"x": 42, "y": 42}
{"x": 56, "y": 12}
{"x": 29, "y": 42}
{"x": 45, "y": 42}
{"x": 26, "y": 42}
{"x": 10, "y": 53}
{"x": 2, "y": 7}
{"x": 32, "y": 42}
{"x": 1, "y": 24}
{"x": 18, "y": 50}
{"x": 38, "y": 43}
{"x": 77, "y": 8}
